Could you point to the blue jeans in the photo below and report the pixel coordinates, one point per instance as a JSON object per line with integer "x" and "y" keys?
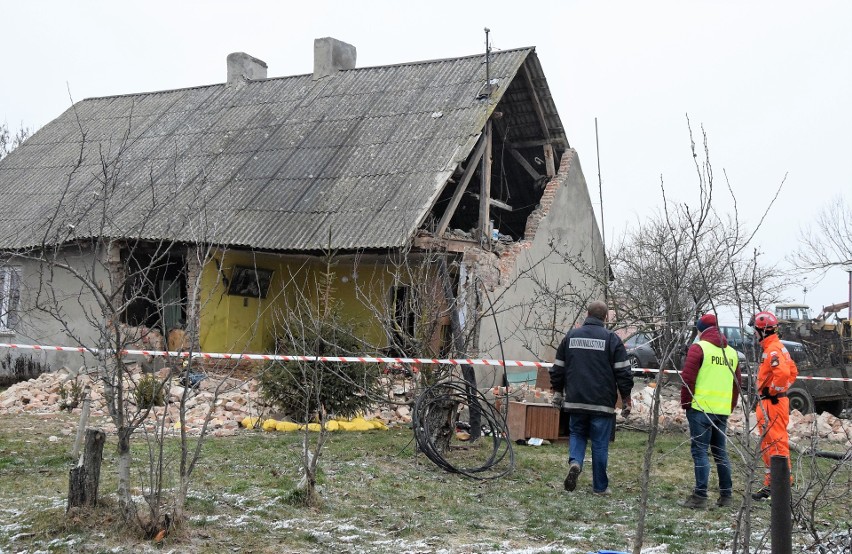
{"x": 598, "y": 429}
{"x": 707, "y": 431}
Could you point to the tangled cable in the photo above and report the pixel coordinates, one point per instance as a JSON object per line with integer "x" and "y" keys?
{"x": 431, "y": 424}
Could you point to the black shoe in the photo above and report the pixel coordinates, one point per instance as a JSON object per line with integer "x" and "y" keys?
{"x": 724, "y": 501}
{"x": 696, "y": 502}
{"x": 761, "y": 494}
{"x": 571, "y": 479}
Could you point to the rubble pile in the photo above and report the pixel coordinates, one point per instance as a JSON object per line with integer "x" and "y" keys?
{"x": 803, "y": 429}
{"x": 237, "y": 400}
{"x": 51, "y": 393}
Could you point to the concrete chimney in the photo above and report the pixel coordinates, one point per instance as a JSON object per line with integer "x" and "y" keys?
{"x": 243, "y": 67}
{"x": 332, "y": 55}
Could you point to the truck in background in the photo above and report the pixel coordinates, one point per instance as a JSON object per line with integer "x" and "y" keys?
{"x": 822, "y": 348}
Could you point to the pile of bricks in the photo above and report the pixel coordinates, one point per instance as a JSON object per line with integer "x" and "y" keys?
{"x": 227, "y": 401}
{"x": 803, "y": 429}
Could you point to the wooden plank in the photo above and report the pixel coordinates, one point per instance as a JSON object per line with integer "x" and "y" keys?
{"x": 461, "y": 186}
{"x": 549, "y": 163}
{"x": 496, "y": 203}
{"x": 541, "y": 142}
{"x": 525, "y": 164}
{"x": 485, "y": 192}
{"x": 536, "y": 102}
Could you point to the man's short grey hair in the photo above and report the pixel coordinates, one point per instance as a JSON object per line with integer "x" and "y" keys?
{"x": 598, "y": 309}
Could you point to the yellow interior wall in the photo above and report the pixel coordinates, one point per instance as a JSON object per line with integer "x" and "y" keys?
{"x": 239, "y": 324}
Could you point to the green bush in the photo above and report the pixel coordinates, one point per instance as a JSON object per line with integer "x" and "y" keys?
{"x": 299, "y": 389}
{"x": 149, "y": 392}
{"x": 70, "y": 397}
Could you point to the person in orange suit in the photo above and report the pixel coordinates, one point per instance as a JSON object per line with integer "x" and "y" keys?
{"x": 776, "y": 373}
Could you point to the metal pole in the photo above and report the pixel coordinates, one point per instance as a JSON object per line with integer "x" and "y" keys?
{"x": 849, "y": 310}
{"x": 603, "y": 226}
{"x": 781, "y": 519}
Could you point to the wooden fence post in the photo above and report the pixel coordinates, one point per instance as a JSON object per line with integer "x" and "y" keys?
{"x": 84, "y": 420}
{"x": 83, "y": 479}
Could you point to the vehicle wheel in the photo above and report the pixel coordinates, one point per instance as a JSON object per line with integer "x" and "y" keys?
{"x": 634, "y": 362}
{"x": 834, "y": 407}
{"x": 801, "y": 400}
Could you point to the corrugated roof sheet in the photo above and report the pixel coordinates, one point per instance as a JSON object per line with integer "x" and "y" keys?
{"x": 274, "y": 164}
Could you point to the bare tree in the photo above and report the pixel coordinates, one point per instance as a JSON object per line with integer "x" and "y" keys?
{"x": 9, "y": 140}
{"x": 827, "y": 241}
{"x": 109, "y": 292}
{"x": 678, "y": 264}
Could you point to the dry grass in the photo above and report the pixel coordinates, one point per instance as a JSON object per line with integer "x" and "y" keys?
{"x": 378, "y": 496}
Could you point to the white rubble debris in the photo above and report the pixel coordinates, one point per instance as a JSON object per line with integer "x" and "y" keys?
{"x": 237, "y": 399}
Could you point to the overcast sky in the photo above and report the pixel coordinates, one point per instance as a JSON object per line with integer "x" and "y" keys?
{"x": 771, "y": 82}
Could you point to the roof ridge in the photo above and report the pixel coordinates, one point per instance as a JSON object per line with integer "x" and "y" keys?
{"x": 438, "y": 60}
{"x": 198, "y": 87}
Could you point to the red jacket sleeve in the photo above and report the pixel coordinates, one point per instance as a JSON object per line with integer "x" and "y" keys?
{"x": 689, "y": 374}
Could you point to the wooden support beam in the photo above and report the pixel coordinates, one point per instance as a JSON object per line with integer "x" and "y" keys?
{"x": 496, "y": 203}
{"x": 533, "y": 143}
{"x": 485, "y": 192}
{"x": 525, "y": 164}
{"x": 536, "y": 102}
{"x": 549, "y": 163}
{"x": 461, "y": 186}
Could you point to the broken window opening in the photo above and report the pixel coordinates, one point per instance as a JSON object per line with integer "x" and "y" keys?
{"x": 154, "y": 289}
{"x": 404, "y": 318}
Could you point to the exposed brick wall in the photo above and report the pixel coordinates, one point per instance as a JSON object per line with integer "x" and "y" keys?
{"x": 504, "y": 267}
{"x": 535, "y": 218}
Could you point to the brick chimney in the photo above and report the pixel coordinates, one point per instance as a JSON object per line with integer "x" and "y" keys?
{"x": 242, "y": 67}
{"x": 332, "y": 55}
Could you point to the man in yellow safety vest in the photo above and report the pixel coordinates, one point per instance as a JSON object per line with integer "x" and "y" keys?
{"x": 709, "y": 394}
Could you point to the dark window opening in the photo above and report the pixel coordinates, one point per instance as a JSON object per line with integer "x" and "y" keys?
{"x": 404, "y": 319}
{"x": 250, "y": 281}
{"x": 154, "y": 289}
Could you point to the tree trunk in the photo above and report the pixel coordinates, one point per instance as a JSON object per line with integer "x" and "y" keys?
{"x": 647, "y": 465}
{"x": 125, "y": 500}
{"x": 83, "y": 479}
{"x": 440, "y": 421}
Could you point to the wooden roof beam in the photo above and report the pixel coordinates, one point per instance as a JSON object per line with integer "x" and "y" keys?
{"x": 496, "y": 203}
{"x": 525, "y": 164}
{"x": 472, "y": 162}
{"x": 539, "y": 110}
{"x": 534, "y": 143}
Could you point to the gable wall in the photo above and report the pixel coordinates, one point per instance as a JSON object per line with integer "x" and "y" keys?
{"x": 518, "y": 281}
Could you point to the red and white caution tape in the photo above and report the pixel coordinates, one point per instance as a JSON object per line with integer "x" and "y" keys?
{"x": 289, "y": 358}
{"x": 348, "y": 359}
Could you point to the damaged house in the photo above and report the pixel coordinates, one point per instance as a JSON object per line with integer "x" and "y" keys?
{"x": 451, "y": 176}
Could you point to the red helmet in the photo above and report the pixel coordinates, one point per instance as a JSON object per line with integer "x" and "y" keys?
{"x": 764, "y": 320}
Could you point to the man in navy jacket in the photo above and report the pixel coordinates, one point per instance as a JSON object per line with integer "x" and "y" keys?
{"x": 590, "y": 370}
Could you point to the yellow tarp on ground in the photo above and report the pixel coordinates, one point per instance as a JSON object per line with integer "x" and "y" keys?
{"x": 354, "y": 424}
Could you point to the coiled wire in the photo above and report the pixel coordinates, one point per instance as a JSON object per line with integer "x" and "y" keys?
{"x": 474, "y": 459}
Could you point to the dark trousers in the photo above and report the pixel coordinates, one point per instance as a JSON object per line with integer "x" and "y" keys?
{"x": 707, "y": 432}
{"x": 595, "y": 428}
